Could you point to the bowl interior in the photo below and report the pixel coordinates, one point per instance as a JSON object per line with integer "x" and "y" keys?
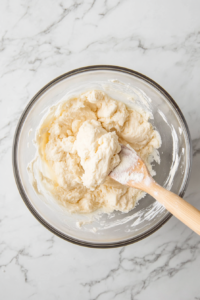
{"x": 117, "y": 228}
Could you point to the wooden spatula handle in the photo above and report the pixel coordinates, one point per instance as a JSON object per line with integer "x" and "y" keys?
{"x": 181, "y": 209}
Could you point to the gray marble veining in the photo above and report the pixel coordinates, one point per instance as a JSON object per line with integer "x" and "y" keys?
{"x": 40, "y": 40}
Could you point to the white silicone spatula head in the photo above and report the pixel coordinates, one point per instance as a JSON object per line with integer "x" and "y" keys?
{"x": 131, "y": 171}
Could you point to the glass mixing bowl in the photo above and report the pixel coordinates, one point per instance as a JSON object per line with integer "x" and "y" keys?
{"x": 115, "y": 229}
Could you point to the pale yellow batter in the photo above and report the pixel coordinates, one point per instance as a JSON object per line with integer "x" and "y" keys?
{"x": 78, "y": 142}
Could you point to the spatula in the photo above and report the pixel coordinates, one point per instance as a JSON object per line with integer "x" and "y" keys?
{"x": 133, "y": 172}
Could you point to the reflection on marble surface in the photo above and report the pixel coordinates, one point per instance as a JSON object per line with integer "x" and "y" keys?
{"x": 40, "y": 40}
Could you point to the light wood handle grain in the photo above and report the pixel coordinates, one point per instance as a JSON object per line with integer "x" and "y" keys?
{"x": 181, "y": 209}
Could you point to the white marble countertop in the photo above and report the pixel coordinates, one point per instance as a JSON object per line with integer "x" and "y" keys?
{"x": 40, "y": 40}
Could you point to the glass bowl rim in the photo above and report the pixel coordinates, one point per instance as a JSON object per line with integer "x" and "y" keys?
{"x": 15, "y": 147}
